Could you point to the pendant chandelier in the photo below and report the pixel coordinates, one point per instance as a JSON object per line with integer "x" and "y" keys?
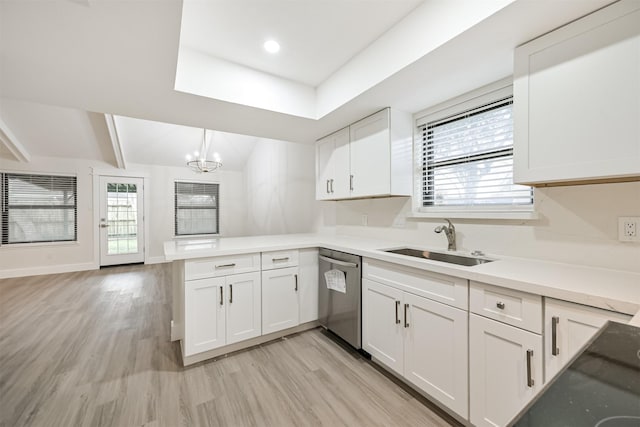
{"x": 199, "y": 162}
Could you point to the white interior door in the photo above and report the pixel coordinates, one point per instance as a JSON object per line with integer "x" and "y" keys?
{"x": 121, "y": 220}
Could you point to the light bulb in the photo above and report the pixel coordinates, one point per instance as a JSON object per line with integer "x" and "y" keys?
{"x": 272, "y": 46}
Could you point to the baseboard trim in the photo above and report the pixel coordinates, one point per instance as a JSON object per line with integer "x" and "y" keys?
{"x": 155, "y": 260}
{"x": 47, "y": 269}
{"x": 242, "y": 345}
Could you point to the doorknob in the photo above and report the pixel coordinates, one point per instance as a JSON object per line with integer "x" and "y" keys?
{"x": 104, "y": 225}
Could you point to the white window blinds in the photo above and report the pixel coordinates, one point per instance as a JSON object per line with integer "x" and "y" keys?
{"x": 38, "y": 208}
{"x": 196, "y": 208}
{"x": 467, "y": 159}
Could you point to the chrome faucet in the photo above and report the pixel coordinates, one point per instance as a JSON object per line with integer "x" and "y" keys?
{"x": 450, "y": 232}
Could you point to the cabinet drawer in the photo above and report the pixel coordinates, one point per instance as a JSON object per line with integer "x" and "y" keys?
{"x": 438, "y": 287}
{"x": 221, "y": 266}
{"x": 505, "y": 305}
{"x": 279, "y": 259}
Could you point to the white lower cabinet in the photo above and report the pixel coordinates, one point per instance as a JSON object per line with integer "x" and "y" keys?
{"x": 435, "y": 351}
{"x": 243, "y": 307}
{"x": 204, "y": 315}
{"x": 280, "y": 306}
{"x": 308, "y": 285}
{"x": 221, "y": 311}
{"x": 382, "y": 328}
{"x": 568, "y": 327}
{"x": 422, "y": 340}
{"x": 505, "y": 370}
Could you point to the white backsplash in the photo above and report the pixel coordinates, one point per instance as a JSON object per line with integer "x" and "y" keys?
{"x": 577, "y": 224}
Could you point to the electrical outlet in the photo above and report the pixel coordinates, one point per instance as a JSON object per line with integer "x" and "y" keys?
{"x": 365, "y": 220}
{"x": 629, "y": 229}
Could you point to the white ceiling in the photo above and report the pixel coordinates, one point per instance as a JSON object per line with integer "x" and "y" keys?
{"x": 52, "y": 131}
{"x": 316, "y": 36}
{"x": 102, "y": 56}
{"x": 156, "y": 143}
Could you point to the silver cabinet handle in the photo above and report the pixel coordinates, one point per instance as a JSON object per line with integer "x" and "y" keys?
{"x": 351, "y": 182}
{"x": 529, "y": 379}
{"x": 231, "y": 294}
{"x": 328, "y": 187}
{"x": 338, "y": 262}
{"x": 397, "y": 314}
{"x": 331, "y": 185}
{"x": 406, "y": 318}
{"x": 295, "y": 276}
{"x": 280, "y": 259}
{"x": 221, "y": 296}
{"x": 554, "y": 336}
{"x": 226, "y": 265}
{"x": 500, "y": 305}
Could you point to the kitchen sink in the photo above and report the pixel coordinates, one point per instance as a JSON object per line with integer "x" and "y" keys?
{"x": 439, "y": 256}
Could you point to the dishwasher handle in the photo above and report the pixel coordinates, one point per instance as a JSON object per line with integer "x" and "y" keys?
{"x": 338, "y": 262}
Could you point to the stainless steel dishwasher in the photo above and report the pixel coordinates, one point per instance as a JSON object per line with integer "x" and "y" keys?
{"x": 340, "y": 312}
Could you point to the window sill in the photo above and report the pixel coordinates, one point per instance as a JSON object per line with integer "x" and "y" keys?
{"x": 524, "y": 215}
{"x": 196, "y": 236}
{"x": 36, "y": 244}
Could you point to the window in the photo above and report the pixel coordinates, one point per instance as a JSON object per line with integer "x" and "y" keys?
{"x": 466, "y": 159}
{"x": 197, "y": 208}
{"x": 38, "y": 208}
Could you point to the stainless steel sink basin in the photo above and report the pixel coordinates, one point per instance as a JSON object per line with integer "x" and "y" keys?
{"x": 439, "y": 256}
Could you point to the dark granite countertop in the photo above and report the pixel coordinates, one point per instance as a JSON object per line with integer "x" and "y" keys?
{"x": 599, "y": 388}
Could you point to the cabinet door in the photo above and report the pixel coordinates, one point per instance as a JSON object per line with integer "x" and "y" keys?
{"x": 280, "y": 308}
{"x": 499, "y": 385}
{"x": 382, "y": 324}
{"x": 332, "y": 166}
{"x": 243, "y": 308}
{"x": 340, "y": 160}
{"x": 568, "y": 327}
{"x": 308, "y": 285}
{"x": 204, "y": 315}
{"x": 370, "y": 157}
{"x": 576, "y": 100}
{"x": 324, "y": 167}
{"x": 436, "y": 351}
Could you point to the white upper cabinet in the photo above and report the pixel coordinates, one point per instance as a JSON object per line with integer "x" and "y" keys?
{"x": 577, "y": 101}
{"x": 332, "y": 166}
{"x": 370, "y": 158}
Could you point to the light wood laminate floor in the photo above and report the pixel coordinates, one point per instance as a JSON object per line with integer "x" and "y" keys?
{"x": 92, "y": 349}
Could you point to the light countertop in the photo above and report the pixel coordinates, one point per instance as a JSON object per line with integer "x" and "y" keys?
{"x": 597, "y": 287}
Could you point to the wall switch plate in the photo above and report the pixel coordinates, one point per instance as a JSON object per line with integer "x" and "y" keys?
{"x": 629, "y": 229}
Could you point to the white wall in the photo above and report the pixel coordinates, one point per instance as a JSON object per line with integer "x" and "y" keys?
{"x": 280, "y": 188}
{"x": 274, "y": 194}
{"x": 160, "y": 196}
{"x": 21, "y": 260}
{"x": 577, "y": 224}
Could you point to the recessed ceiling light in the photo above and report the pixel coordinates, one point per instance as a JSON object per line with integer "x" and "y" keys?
{"x": 271, "y": 46}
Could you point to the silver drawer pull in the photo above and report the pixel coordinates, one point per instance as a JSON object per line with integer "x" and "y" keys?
{"x": 226, "y": 265}
{"x": 280, "y": 259}
{"x": 500, "y": 305}
{"x": 397, "y": 309}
